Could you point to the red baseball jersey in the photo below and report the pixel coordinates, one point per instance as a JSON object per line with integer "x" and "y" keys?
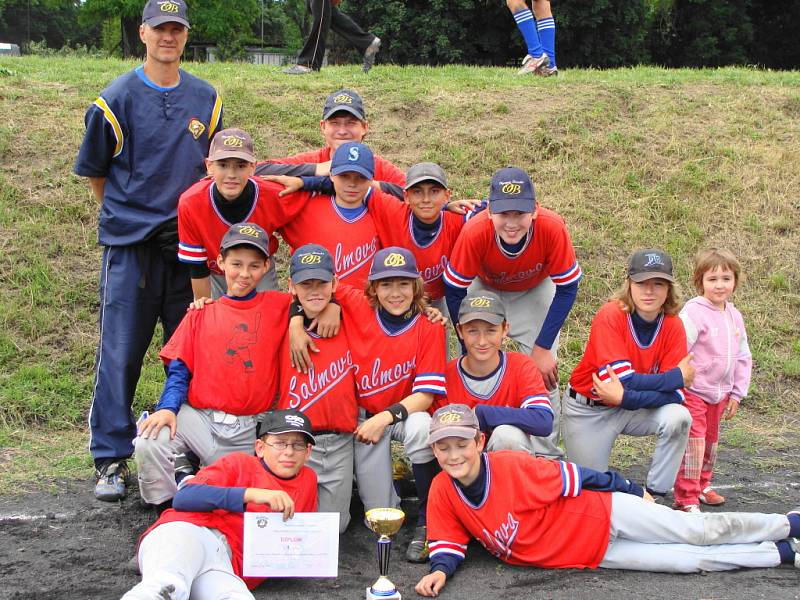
{"x": 384, "y": 170}
{"x": 240, "y": 470}
{"x": 547, "y": 522}
{"x": 327, "y": 393}
{"x": 520, "y": 385}
{"x": 201, "y": 227}
{"x": 391, "y": 366}
{"x": 548, "y": 253}
{"x": 612, "y": 342}
{"x": 231, "y": 348}
{"x": 351, "y": 242}
{"x": 393, "y": 220}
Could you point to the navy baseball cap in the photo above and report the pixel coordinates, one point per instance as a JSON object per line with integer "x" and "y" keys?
{"x": 286, "y": 421}
{"x": 157, "y": 12}
{"x": 246, "y": 234}
{"x": 650, "y": 263}
{"x": 425, "y": 171}
{"x": 311, "y": 261}
{"x": 344, "y": 100}
{"x": 453, "y": 420}
{"x": 482, "y": 306}
{"x": 511, "y": 189}
{"x": 393, "y": 261}
{"x": 353, "y": 157}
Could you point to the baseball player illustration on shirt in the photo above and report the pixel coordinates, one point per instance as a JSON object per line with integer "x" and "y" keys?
{"x": 244, "y": 336}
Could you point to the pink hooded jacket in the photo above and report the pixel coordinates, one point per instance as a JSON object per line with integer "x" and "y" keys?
{"x": 722, "y": 357}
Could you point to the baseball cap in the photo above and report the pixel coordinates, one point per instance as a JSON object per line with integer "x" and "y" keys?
{"x": 511, "y": 189}
{"x": 157, "y": 12}
{"x": 232, "y": 143}
{"x": 650, "y": 263}
{"x": 393, "y": 261}
{"x": 344, "y": 100}
{"x": 453, "y": 420}
{"x": 311, "y": 261}
{"x": 246, "y": 234}
{"x": 353, "y": 157}
{"x": 482, "y": 306}
{"x": 285, "y": 421}
{"x": 425, "y": 171}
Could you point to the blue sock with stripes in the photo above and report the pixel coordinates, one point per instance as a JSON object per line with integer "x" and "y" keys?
{"x": 547, "y": 35}
{"x": 527, "y": 27}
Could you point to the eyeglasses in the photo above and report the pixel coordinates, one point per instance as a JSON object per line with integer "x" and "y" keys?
{"x": 281, "y": 446}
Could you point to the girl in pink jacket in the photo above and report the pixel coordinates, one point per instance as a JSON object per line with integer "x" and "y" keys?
{"x": 717, "y": 338}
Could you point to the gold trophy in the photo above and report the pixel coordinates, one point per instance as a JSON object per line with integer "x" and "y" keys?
{"x": 384, "y": 522}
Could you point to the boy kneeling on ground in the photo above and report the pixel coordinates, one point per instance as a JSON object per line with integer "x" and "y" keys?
{"x": 566, "y": 516}
{"x": 198, "y": 543}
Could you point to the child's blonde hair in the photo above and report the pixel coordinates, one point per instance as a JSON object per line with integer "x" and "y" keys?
{"x": 418, "y": 303}
{"x": 714, "y": 258}
{"x": 671, "y": 306}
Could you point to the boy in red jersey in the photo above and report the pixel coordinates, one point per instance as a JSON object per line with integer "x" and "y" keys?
{"x": 326, "y": 392}
{"x": 522, "y": 252}
{"x": 505, "y": 388}
{"x": 230, "y": 341}
{"x": 631, "y": 377}
{"x": 198, "y": 544}
{"x": 566, "y": 516}
{"x": 229, "y": 195}
{"x": 343, "y": 120}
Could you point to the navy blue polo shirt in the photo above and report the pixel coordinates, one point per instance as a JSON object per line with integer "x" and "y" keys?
{"x": 149, "y": 143}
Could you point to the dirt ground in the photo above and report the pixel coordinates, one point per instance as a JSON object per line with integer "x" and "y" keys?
{"x": 66, "y": 545}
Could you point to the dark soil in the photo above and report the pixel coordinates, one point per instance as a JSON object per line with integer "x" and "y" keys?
{"x": 76, "y": 547}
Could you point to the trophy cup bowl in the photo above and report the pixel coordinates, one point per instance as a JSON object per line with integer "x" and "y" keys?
{"x": 385, "y": 522}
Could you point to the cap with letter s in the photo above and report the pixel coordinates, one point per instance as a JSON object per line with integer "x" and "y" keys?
{"x": 511, "y": 189}
{"x": 311, "y": 261}
{"x": 353, "y": 157}
{"x": 453, "y": 420}
{"x": 650, "y": 263}
{"x": 158, "y": 12}
{"x": 285, "y": 421}
{"x": 344, "y": 100}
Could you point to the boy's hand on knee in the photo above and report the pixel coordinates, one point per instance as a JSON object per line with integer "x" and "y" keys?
{"x": 277, "y": 500}
{"x": 150, "y": 427}
{"x": 431, "y": 584}
{"x": 371, "y": 430}
{"x": 610, "y": 391}
{"x": 687, "y": 370}
{"x": 547, "y": 366}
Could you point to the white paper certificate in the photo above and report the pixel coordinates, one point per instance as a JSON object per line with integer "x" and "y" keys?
{"x": 307, "y": 545}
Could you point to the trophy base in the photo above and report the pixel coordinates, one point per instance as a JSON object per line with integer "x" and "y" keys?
{"x": 395, "y": 595}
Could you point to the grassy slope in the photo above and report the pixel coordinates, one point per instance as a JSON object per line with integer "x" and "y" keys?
{"x": 629, "y": 157}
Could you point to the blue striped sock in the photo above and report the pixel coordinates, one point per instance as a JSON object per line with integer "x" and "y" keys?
{"x": 547, "y": 35}
{"x": 527, "y": 27}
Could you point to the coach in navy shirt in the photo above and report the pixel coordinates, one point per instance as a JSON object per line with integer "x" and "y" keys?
{"x": 146, "y": 137}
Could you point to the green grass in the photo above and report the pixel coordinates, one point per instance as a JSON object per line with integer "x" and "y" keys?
{"x": 630, "y": 157}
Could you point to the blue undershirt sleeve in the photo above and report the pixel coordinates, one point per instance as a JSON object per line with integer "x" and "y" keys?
{"x": 391, "y": 188}
{"x": 609, "y": 481}
{"x": 636, "y": 399}
{"x": 175, "y": 387}
{"x": 200, "y": 497}
{"x": 668, "y": 381}
{"x": 533, "y": 421}
{"x": 321, "y": 184}
{"x": 292, "y": 170}
{"x": 446, "y": 563}
{"x": 557, "y": 313}
{"x": 453, "y": 296}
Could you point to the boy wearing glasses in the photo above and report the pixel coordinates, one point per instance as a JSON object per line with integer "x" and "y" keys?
{"x": 198, "y": 543}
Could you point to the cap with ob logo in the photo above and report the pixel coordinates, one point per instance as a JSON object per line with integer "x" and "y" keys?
{"x": 232, "y": 143}
{"x": 393, "y": 261}
{"x": 353, "y": 157}
{"x": 311, "y": 261}
{"x": 511, "y": 189}
{"x": 157, "y": 12}
{"x": 246, "y": 234}
{"x": 650, "y": 263}
{"x": 482, "y": 306}
{"x": 453, "y": 420}
{"x": 285, "y": 421}
{"x": 344, "y": 100}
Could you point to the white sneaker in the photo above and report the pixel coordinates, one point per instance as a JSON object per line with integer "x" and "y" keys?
{"x": 531, "y": 64}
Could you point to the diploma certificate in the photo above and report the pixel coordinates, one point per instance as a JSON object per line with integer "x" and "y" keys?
{"x": 307, "y": 545}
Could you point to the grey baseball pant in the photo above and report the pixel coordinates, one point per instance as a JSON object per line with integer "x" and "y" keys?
{"x": 652, "y": 537}
{"x": 525, "y": 312}
{"x": 332, "y": 461}
{"x": 590, "y": 432}
{"x": 207, "y": 433}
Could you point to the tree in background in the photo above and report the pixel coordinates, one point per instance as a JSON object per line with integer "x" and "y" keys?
{"x": 52, "y": 22}
{"x": 775, "y": 23}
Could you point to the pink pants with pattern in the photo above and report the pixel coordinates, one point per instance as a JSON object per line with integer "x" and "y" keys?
{"x": 697, "y": 467}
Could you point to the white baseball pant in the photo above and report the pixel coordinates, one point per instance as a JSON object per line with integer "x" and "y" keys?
{"x": 332, "y": 461}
